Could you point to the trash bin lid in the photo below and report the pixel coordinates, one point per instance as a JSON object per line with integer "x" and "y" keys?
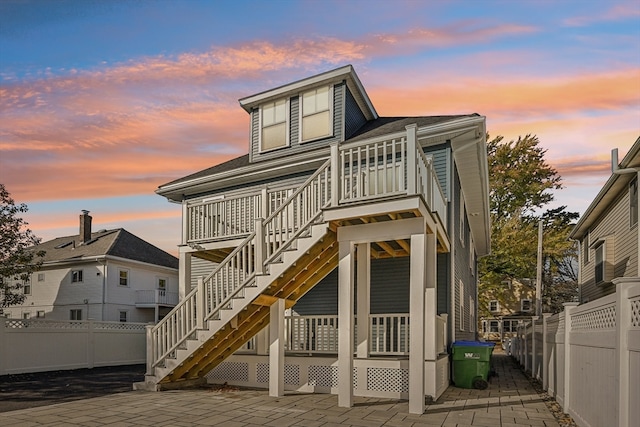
{"x": 473, "y": 344}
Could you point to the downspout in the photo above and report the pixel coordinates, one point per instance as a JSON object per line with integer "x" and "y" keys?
{"x": 615, "y": 169}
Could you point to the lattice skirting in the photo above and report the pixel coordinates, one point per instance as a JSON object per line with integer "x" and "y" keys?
{"x": 372, "y": 377}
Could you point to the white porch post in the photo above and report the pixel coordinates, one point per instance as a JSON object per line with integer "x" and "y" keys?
{"x": 568, "y": 308}
{"x": 431, "y": 310}
{"x": 545, "y": 351}
{"x": 417, "y": 278}
{"x": 276, "y": 348}
{"x": 363, "y": 278}
{"x": 345, "y": 324}
{"x": 534, "y": 347}
{"x": 184, "y": 274}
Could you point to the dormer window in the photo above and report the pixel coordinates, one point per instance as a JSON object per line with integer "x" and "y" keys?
{"x": 316, "y": 114}
{"x": 273, "y": 125}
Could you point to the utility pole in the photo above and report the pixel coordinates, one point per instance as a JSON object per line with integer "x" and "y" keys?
{"x": 539, "y": 273}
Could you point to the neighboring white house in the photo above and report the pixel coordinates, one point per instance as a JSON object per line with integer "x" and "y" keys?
{"x": 346, "y": 232}
{"x": 108, "y": 275}
{"x": 608, "y": 231}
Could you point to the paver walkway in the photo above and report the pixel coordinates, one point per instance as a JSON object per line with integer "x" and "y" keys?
{"x": 509, "y": 401}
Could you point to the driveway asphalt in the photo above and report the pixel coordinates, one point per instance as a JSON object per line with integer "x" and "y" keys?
{"x": 21, "y": 391}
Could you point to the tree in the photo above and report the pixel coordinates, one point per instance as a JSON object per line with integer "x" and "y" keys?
{"x": 18, "y": 257}
{"x": 521, "y": 186}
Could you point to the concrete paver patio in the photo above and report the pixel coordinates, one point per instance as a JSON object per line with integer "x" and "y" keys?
{"x": 509, "y": 401}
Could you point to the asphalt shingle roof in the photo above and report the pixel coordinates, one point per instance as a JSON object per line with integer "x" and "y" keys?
{"x": 117, "y": 242}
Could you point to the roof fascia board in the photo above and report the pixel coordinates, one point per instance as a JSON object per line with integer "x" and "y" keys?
{"x": 96, "y": 258}
{"x": 249, "y": 173}
{"x": 253, "y": 100}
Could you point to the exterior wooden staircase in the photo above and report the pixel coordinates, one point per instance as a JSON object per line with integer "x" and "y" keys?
{"x": 287, "y": 254}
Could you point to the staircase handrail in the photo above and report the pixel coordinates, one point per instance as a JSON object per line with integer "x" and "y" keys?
{"x": 286, "y": 205}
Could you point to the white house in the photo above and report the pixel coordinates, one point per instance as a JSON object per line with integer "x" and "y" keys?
{"x": 108, "y": 275}
{"x": 354, "y": 237}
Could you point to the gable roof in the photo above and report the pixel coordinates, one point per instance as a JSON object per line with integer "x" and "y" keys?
{"x": 608, "y": 193}
{"x": 117, "y": 242}
{"x": 346, "y": 74}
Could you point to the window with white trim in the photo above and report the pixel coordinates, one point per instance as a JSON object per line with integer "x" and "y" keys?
{"x": 633, "y": 202}
{"x": 40, "y": 277}
{"x": 123, "y": 316}
{"x": 162, "y": 283}
{"x": 40, "y": 314}
{"x": 26, "y": 315}
{"x": 316, "y": 114}
{"x": 75, "y": 314}
{"x": 76, "y": 277}
{"x": 525, "y": 304}
{"x": 123, "y": 278}
{"x": 494, "y": 305}
{"x": 274, "y": 129}
{"x": 26, "y": 287}
{"x": 494, "y": 326}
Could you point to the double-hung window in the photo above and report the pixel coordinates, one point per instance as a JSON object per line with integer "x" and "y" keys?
{"x": 273, "y": 125}
{"x": 124, "y": 278}
{"x": 76, "y": 277}
{"x": 316, "y": 114}
{"x": 494, "y": 305}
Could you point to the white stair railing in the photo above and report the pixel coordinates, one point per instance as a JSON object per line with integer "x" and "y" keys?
{"x": 275, "y": 234}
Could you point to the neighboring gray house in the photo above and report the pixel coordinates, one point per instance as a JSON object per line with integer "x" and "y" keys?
{"x": 108, "y": 275}
{"x": 608, "y": 231}
{"x": 345, "y": 232}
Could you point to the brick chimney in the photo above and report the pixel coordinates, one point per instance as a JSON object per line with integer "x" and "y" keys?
{"x": 85, "y": 227}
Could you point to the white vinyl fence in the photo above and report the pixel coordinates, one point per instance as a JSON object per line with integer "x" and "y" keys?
{"x": 35, "y": 345}
{"x": 588, "y": 356}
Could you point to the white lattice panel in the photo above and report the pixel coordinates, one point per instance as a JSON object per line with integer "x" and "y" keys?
{"x": 386, "y": 379}
{"x": 230, "y": 371}
{"x": 602, "y": 318}
{"x": 292, "y": 374}
{"x": 262, "y": 372}
{"x": 323, "y": 376}
{"x": 635, "y": 312}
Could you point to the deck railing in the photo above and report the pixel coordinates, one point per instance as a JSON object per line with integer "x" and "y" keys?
{"x": 364, "y": 170}
{"x": 156, "y": 296}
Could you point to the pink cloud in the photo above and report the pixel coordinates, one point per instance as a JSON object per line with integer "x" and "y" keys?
{"x": 617, "y": 12}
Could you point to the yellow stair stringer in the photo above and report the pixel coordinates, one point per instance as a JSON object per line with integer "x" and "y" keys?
{"x": 291, "y": 285}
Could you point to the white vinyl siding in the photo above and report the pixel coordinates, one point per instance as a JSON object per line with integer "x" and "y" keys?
{"x": 620, "y": 252}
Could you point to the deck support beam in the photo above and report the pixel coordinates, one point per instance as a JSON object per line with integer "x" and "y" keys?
{"x": 276, "y": 348}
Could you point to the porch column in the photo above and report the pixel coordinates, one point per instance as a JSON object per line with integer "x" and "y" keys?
{"x": 363, "y": 283}
{"x": 431, "y": 311}
{"x": 417, "y": 281}
{"x": 345, "y": 324}
{"x": 276, "y": 349}
{"x": 184, "y": 274}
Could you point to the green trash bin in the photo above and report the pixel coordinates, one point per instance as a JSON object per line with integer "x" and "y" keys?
{"x": 471, "y": 363}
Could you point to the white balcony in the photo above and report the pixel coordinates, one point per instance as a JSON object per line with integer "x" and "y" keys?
{"x": 156, "y": 298}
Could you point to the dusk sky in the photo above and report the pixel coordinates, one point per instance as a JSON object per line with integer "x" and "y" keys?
{"x": 103, "y": 101}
